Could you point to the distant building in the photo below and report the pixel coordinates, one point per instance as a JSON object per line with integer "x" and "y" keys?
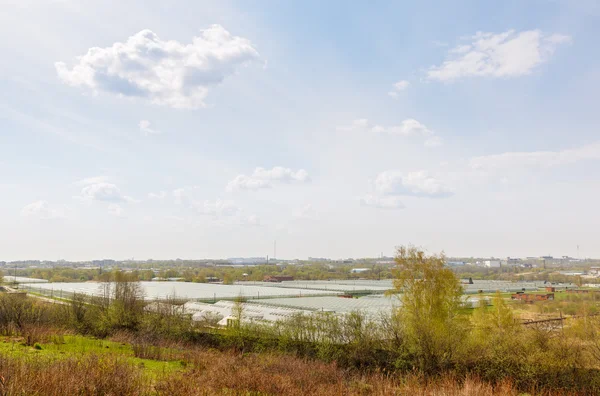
{"x": 247, "y": 260}
{"x": 511, "y": 262}
{"x": 492, "y": 263}
{"x": 359, "y": 270}
{"x": 277, "y": 278}
{"x": 456, "y": 263}
{"x": 594, "y": 271}
{"x": 212, "y": 279}
{"x": 532, "y": 297}
{"x": 104, "y": 262}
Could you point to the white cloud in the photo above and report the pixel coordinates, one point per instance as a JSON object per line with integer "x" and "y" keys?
{"x": 243, "y": 182}
{"x": 93, "y": 180}
{"x": 357, "y": 124}
{"x": 265, "y": 178}
{"x": 115, "y": 210}
{"x": 166, "y": 73}
{"x": 382, "y": 202}
{"x": 419, "y": 184}
{"x": 146, "y": 128}
{"x": 279, "y": 173}
{"x": 540, "y": 159}
{"x": 398, "y": 87}
{"x": 389, "y": 186}
{"x": 104, "y": 192}
{"x": 508, "y": 54}
{"x": 99, "y": 188}
{"x": 159, "y": 195}
{"x": 305, "y": 212}
{"x": 217, "y": 208}
{"x": 407, "y": 128}
{"x": 43, "y": 210}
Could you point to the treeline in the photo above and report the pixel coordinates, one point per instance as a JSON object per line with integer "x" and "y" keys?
{"x": 517, "y": 274}
{"x": 227, "y": 275}
{"x": 429, "y": 334}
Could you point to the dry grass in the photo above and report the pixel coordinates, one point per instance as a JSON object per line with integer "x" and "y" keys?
{"x": 92, "y": 375}
{"x": 210, "y": 372}
{"x": 214, "y": 372}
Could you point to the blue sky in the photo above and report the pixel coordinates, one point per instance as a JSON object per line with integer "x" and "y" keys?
{"x": 212, "y": 128}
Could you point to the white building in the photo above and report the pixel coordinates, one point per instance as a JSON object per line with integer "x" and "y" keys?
{"x": 492, "y": 263}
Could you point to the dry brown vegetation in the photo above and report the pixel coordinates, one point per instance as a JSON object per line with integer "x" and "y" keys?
{"x": 214, "y": 372}
{"x": 90, "y": 375}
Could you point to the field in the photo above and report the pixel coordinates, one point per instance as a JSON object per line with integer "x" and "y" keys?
{"x": 71, "y": 364}
{"x": 118, "y": 342}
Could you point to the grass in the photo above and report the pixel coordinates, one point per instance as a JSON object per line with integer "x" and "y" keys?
{"x": 75, "y": 364}
{"x": 75, "y": 346}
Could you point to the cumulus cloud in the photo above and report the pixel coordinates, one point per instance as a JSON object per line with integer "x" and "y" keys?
{"x": 265, "y": 178}
{"x": 217, "y": 208}
{"x": 508, "y": 54}
{"x": 93, "y": 180}
{"x": 243, "y": 182}
{"x": 418, "y": 184}
{"x": 146, "y": 128}
{"x": 166, "y": 73}
{"x": 382, "y": 202}
{"x": 358, "y": 124}
{"x": 407, "y": 128}
{"x": 539, "y": 159}
{"x": 159, "y": 195}
{"x": 305, "y": 212}
{"x": 100, "y": 189}
{"x": 389, "y": 186}
{"x": 104, "y": 192}
{"x": 43, "y": 210}
{"x": 398, "y": 87}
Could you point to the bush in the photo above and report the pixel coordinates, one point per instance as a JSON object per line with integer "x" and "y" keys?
{"x": 89, "y": 375}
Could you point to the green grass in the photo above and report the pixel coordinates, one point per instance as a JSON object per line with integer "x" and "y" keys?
{"x": 61, "y": 347}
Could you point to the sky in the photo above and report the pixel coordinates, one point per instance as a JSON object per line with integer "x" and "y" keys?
{"x": 211, "y": 129}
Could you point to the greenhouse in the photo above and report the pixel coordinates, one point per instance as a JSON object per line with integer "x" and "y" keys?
{"x": 183, "y": 290}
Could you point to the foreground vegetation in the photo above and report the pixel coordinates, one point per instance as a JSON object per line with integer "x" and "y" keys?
{"x": 428, "y": 346}
{"x": 28, "y": 371}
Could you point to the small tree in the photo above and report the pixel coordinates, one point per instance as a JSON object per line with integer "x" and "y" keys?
{"x": 431, "y": 300}
{"x": 125, "y": 302}
{"x": 228, "y": 279}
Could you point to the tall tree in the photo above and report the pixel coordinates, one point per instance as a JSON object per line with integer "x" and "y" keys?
{"x": 429, "y": 313}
